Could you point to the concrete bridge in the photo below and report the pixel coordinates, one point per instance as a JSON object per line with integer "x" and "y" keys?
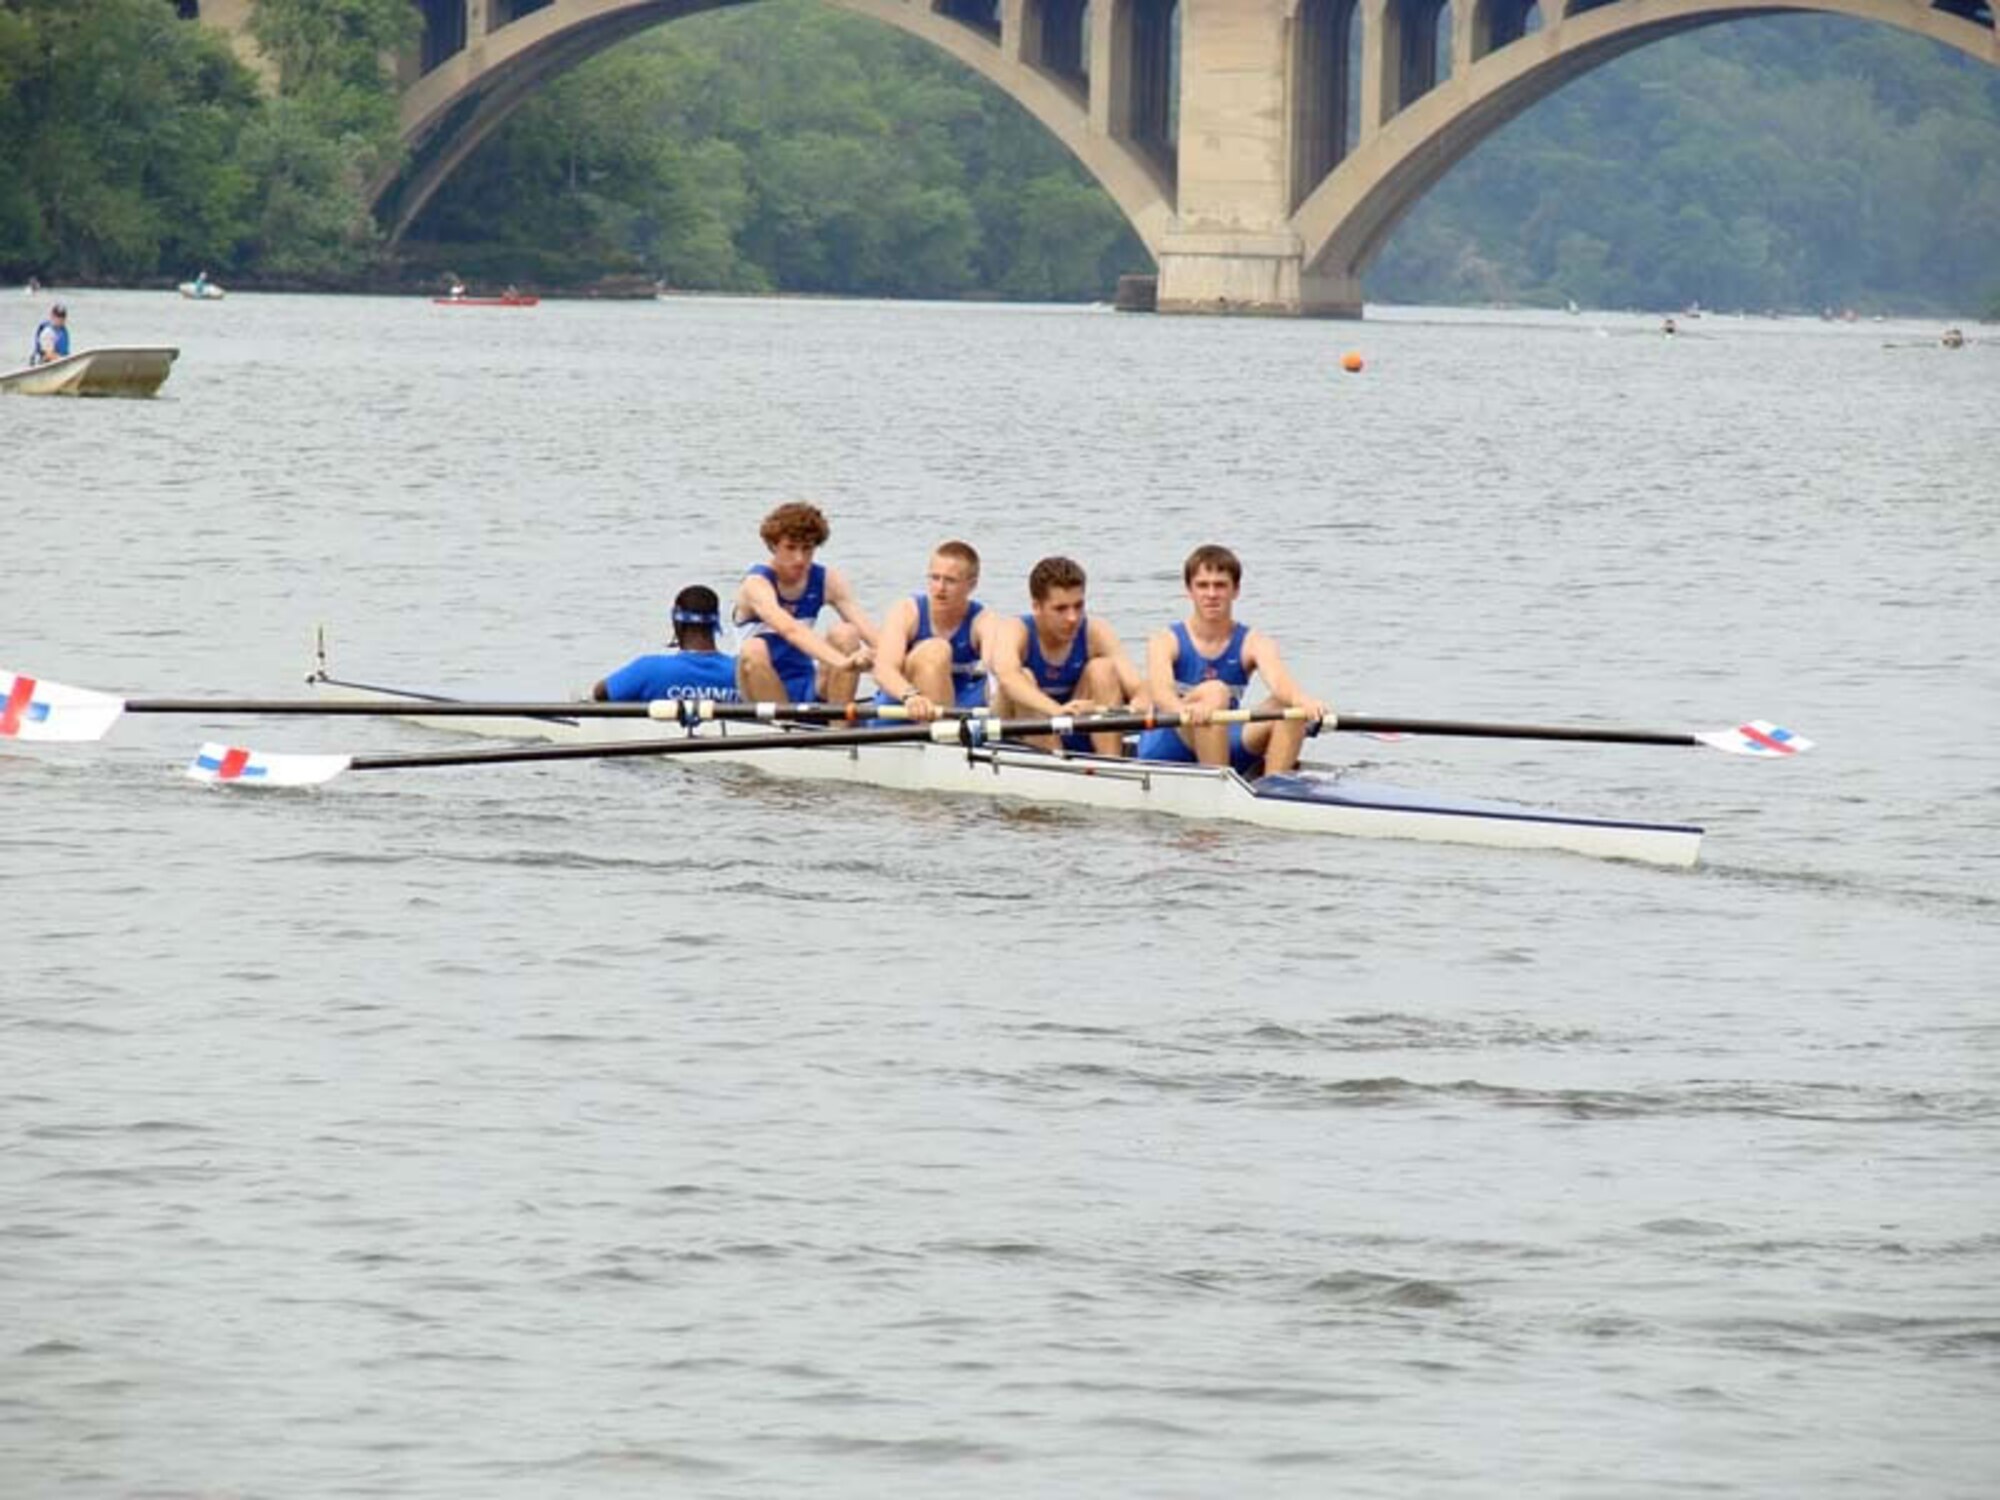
{"x": 1262, "y": 149}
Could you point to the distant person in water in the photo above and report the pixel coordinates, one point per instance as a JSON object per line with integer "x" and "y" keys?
{"x": 51, "y": 337}
{"x": 1668, "y": 327}
{"x": 695, "y": 668}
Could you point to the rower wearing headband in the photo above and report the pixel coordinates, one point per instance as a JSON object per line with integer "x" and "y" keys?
{"x": 693, "y": 669}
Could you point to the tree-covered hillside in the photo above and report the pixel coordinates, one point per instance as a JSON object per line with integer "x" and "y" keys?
{"x": 1795, "y": 161}
{"x": 1791, "y": 162}
{"x": 783, "y": 146}
{"x": 133, "y": 144}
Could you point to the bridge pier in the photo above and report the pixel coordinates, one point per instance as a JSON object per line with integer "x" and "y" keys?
{"x": 1256, "y": 274}
{"x": 1231, "y": 247}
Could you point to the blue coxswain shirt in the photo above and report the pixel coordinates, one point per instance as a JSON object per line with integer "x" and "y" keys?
{"x": 674, "y": 674}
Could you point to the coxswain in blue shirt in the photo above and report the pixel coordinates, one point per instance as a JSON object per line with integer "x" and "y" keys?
{"x": 693, "y": 669}
{"x": 1205, "y": 663}
{"x": 782, "y": 658}
{"x": 1057, "y": 659}
{"x": 51, "y": 337}
{"x": 932, "y": 649}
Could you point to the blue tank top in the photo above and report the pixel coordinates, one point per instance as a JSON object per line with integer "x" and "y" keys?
{"x": 1191, "y": 668}
{"x": 1059, "y": 682}
{"x": 966, "y": 667}
{"x": 787, "y": 659}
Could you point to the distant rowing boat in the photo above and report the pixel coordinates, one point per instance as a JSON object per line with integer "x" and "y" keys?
{"x": 202, "y": 291}
{"x": 1304, "y": 803}
{"x": 134, "y": 371}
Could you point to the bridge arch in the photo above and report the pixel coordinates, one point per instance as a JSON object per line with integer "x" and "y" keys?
{"x": 1503, "y": 64}
{"x": 1263, "y": 150}
{"x": 1092, "y": 72}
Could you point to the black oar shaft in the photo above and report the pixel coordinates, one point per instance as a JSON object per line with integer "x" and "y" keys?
{"x": 406, "y": 708}
{"x": 1473, "y": 729}
{"x": 689, "y": 710}
{"x": 966, "y": 732}
{"x": 612, "y": 749}
{"x": 447, "y": 708}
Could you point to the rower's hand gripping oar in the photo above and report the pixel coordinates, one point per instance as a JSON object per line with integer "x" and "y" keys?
{"x": 238, "y": 766}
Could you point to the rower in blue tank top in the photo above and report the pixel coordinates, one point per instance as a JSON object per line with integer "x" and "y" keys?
{"x": 693, "y": 669}
{"x": 782, "y": 659}
{"x": 1057, "y": 660}
{"x": 1057, "y": 679}
{"x": 794, "y": 666}
{"x": 932, "y": 649}
{"x": 1203, "y": 664}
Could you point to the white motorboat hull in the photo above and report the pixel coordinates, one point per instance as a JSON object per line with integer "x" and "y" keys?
{"x": 133, "y": 371}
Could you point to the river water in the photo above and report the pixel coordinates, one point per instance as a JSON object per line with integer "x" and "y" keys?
{"x": 605, "y": 1129}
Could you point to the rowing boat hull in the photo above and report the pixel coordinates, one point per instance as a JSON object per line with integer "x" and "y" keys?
{"x": 523, "y": 301}
{"x": 1299, "y": 804}
{"x": 134, "y": 371}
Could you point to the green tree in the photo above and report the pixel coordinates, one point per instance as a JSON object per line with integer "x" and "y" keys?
{"x": 330, "y": 134}
{"x": 118, "y": 133}
{"x": 798, "y": 148}
{"x": 1794, "y": 160}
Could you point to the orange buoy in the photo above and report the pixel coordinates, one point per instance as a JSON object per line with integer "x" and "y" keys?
{"x": 1351, "y": 362}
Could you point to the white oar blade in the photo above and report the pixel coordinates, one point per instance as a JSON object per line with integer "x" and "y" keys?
{"x": 32, "y": 709}
{"x": 1759, "y": 737}
{"x": 231, "y": 765}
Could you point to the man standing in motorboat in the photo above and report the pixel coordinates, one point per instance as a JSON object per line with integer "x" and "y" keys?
{"x": 782, "y": 658}
{"x": 932, "y": 650}
{"x": 695, "y": 668}
{"x": 1056, "y": 659}
{"x": 51, "y": 337}
{"x": 1205, "y": 662}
